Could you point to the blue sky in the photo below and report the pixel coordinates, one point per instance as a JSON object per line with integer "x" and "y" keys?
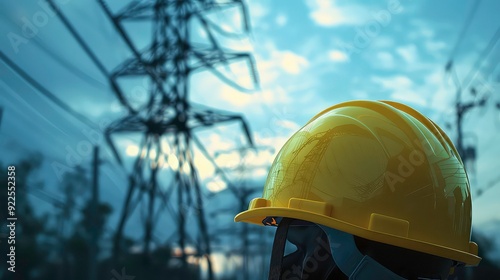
{"x": 309, "y": 54}
{"x": 305, "y": 66}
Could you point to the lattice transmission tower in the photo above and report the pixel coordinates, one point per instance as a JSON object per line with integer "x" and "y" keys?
{"x": 167, "y": 119}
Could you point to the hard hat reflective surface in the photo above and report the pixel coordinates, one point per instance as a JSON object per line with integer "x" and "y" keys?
{"x": 376, "y": 169}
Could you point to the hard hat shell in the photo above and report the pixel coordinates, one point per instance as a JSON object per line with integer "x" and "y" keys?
{"x": 376, "y": 169}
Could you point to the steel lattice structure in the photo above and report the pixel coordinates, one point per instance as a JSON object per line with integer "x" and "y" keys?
{"x": 243, "y": 194}
{"x": 168, "y": 114}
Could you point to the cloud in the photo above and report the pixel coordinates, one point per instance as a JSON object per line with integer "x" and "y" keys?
{"x": 329, "y": 13}
{"x": 383, "y": 60}
{"x": 424, "y": 33}
{"x": 238, "y": 99}
{"x": 402, "y": 89}
{"x": 337, "y": 56}
{"x": 257, "y": 11}
{"x": 271, "y": 140}
{"x": 267, "y": 70}
{"x": 393, "y": 83}
{"x": 421, "y": 30}
{"x": 431, "y": 92}
{"x": 409, "y": 97}
{"x": 292, "y": 63}
{"x": 441, "y": 93}
{"x": 288, "y": 124}
{"x": 409, "y": 53}
{"x": 277, "y": 70}
{"x": 435, "y": 46}
{"x": 271, "y": 61}
{"x": 281, "y": 20}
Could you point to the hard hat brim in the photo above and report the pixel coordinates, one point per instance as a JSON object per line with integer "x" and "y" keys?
{"x": 255, "y": 216}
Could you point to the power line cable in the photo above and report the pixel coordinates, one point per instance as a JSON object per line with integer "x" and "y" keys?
{"x": 40, "y": 88}
{"x": 484, "y": 54}
{"x": 66, "y": 64}
{"x": 467, "y": 23}
{"x": 78, "y": 38}
{"x": 11, "y": 64}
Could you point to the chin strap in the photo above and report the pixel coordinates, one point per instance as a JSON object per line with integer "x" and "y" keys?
{"x": 351, "y": 262}
{"x": 278, "y": 248}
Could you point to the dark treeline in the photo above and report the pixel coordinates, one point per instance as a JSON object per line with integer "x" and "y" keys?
{"x": 55, "y": 245}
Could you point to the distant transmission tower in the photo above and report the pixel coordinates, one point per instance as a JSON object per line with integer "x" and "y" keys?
{"x": 243, "y": 194}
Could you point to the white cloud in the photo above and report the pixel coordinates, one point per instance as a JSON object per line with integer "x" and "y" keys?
{"x": 431, "y": 92}
{"x": 267, "y": 71}
{"x": 384, "y": 60}
{"x": 337, "y": 56}
{"x": 442, "y": 94}
{"x": 435, "y": 46}
{"x": 329, "y": 13}
{"x": 241, "y": 45}
{"x": 281, "y": 20}
{"x": 394, "y": 83}
{"x": 402, "y": 89}
{"x": 292, "y": 63}
{"x": 216, "y": 185}
{"x": 218, "y": 263}
{"x": 216, "y": 143}
{"x": 277, "y": 70}
{"x": 132, "y": 150}
{"x": 239, "y": 99}
{"x": 421, "y": 30}
{"x": 271, "y": 140}
{"x": 257, "y": 10}
{"x": 288, "y": 124}
{"x": 250, "y": 165}
{"x": 236, "y": 97}
{"x": 239, "y": 72}
{"x": 409, "y": 97}
{"x": 273, "y": 61}
{"x": 258, "y": 159}
{"x": 408, "y": 53}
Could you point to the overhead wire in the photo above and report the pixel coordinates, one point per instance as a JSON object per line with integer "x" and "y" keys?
{"x": 475, "y": 69}
{"x": 27, "y": 78}
{"x": 79, "y": 39}
{"x": 22, "y": 112}
{"x": 468, "y": 20}
{"x": 484, "y": 54}
{"x": 44, "y": 91}
{"x": 11, "y": 64}
{"x": 40, "y": 88}
{"x": 65, "y": 63}
{"x": 449, "y": 65}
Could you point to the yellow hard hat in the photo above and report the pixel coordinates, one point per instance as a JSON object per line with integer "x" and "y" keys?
{"x": 379, "y": 170}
